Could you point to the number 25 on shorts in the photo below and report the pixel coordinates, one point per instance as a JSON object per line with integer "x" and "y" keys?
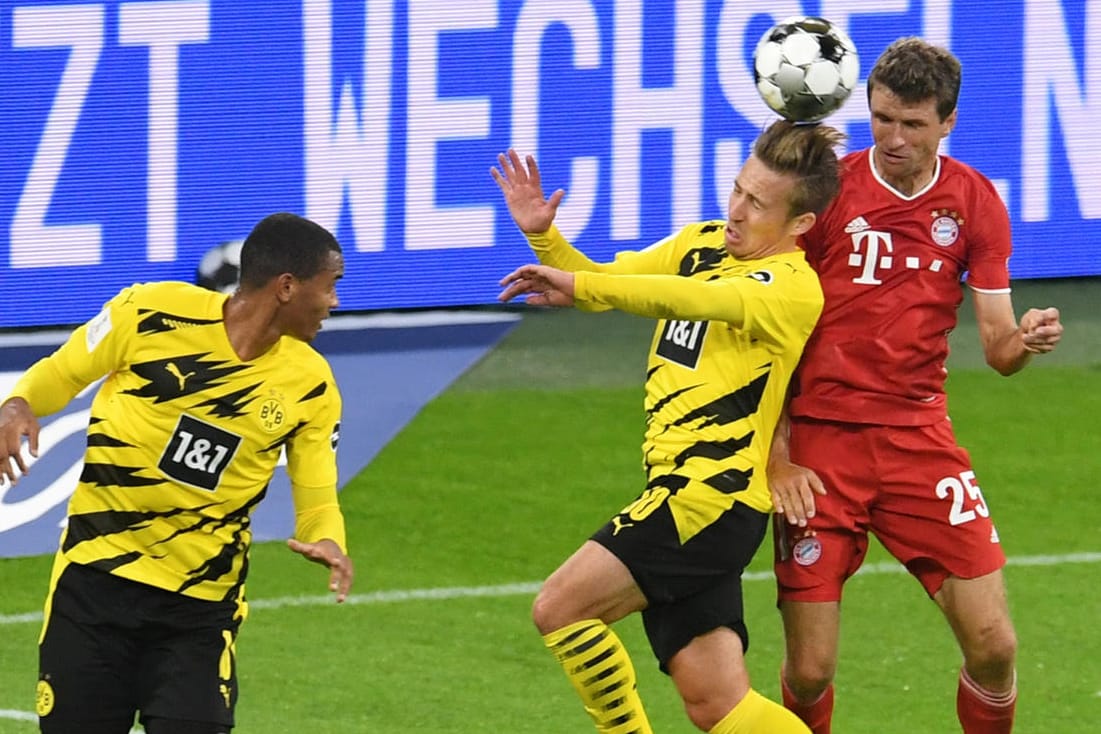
{"x": 962, "y": 489}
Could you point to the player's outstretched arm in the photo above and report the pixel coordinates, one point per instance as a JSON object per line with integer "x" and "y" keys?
{"x": 541, "y": 284}
{"x": 17, "y": 422}
{"x": 328, "y": 553}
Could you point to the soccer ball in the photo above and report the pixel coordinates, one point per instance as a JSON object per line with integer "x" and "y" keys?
{"x": 805, "y": 68}
{"x": 220, "y": 268}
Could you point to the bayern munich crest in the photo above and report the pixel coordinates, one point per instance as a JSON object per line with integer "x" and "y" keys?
{"x": 807, "y": 551}
{"x": 946, "y": 227}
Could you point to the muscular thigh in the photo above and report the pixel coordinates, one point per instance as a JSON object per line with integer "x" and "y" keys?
{"x": 112, "y": 647}
{"x": 691, "y": 586}
{"x": 931, "y": 514}
{"x": 668, "y": 567}
{"x": 913, "y": 487}
{"x": 813, "y": 562}
{"x": 190, "y": 675}
{"x": 88, "y": 656}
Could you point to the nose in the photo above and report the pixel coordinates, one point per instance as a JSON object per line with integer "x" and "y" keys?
{"x": 736, "y": 210}
{"x": 894, "y": 136}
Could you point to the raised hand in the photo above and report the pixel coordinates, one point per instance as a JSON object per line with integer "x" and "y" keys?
{"x": 519, "y": 181}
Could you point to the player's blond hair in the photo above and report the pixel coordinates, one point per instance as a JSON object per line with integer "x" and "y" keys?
{"x": 915, "y": 70}
{"x": 808, "y": 153}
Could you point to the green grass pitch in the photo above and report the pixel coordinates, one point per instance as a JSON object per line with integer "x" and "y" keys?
{"x": 498, "y": 479}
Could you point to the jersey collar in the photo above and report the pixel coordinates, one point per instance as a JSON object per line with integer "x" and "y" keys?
{"x": 892, "y": 189}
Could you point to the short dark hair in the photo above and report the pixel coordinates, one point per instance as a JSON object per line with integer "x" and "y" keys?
{"x": 806, "y": 152}
{"x": 915, "y": 70}
{"x": 284, "y": 243}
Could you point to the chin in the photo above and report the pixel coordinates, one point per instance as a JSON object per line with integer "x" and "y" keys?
{"x": 736, "y": 250}
{"x": 306, "y": 336}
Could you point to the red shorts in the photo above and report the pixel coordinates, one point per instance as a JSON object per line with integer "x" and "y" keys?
{"x": 912, "y": 487}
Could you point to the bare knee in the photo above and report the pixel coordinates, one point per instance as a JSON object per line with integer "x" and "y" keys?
{"x": 978, "y": 612}
{"x": 808, "y": 675}
{"x": 990, "y": 656}
{"x": 811, "y": 631}
{"x": 705, "y": 713}
{"x": 546, "y": 614}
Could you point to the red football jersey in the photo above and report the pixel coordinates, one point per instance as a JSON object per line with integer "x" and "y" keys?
{"x": 891, "y": 268}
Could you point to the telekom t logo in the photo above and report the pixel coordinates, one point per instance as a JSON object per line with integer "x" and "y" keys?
{"x": 866, "y": 255}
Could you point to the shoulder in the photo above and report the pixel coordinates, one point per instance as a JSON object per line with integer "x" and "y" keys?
{"x": 855, "y": 163}
{"x": 706, "y": 232}
{"x": 309, "y": 377}
{"x": 788, "y": 270}
{"x": 170, "y": 296}
{"x": 958, "y": 174}
{"x": 307, "y": 361}
{"x": 709, "y": 233}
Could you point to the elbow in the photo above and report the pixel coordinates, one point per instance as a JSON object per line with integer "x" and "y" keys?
{"x": 1007, "y": 367}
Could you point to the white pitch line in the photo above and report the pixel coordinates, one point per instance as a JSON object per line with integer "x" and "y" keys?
{"x": 530, "y": 587}
{"x": 15, "y": 715}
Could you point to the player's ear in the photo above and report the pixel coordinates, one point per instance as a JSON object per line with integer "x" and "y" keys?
{"x": 801, "y": 224}
{"x": 949, "y": 124}
{"x": 285, "y": 286}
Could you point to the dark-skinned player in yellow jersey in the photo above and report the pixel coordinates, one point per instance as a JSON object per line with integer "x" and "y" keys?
{"x": 201, "y": 394}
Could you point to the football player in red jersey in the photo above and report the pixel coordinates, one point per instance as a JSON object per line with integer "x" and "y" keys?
{"x": 868, "y": 445}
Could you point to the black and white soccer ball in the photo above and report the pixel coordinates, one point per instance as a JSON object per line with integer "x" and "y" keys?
{"x": 805, "y": 68}
{"x": 220, "y": 268}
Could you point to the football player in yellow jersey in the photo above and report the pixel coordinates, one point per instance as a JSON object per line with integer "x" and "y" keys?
{"x": 201, "y": 394}
{"x": 735, "y": 302}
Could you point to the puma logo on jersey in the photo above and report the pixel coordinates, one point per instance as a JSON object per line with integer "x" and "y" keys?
{"x": 181, "y": 378}
{"x": 701, "y": 259}
{"x": 620, "y": 525}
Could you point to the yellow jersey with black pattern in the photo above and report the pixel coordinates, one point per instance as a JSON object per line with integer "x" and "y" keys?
{"x": 729, "y": 336}
{"x": 184, "y": 438}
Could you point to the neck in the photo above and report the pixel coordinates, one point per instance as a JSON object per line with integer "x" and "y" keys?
{"x": 250, "y": 325}
{"x": 909, "y": 184}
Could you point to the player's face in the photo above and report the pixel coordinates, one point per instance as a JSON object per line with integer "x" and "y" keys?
{"x": 907, "y": 137}
{"x": 314, "y": 298}
{"x": 757, "y": 221}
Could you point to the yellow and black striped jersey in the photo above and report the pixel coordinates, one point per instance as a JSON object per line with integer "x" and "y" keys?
{"x": 730, "y": 334}
{"x": 184, "y": 438}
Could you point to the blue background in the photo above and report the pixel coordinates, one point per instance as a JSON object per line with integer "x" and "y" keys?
{"x": 241, "y": 150}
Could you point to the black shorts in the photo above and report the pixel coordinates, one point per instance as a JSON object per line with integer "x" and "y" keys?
{"x": 690, "y": 588}
{"x": 112, "y": 647}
